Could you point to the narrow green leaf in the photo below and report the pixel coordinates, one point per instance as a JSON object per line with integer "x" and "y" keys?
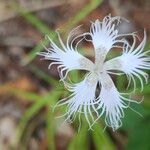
{"x": 101, "y": 139}
{"x": 36, "y": 22}
{"x": 93, "y": 4}
{"x": 50, "y": 131}
{"x": 31, "y": 111}
{"x": 80, "y": 140}
{"x": 22, "y": 94}
{"x": 31, "y": 18}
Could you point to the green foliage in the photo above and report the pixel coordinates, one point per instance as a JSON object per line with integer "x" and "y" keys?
{"x": 93, "y": 4}
{"x": 46, "y": 100}
{"x": 50, "y": 131}
{"x": 101, "y": 139}
{"x": 140, "y": 136}
{"x": 137, "y": 126}
{"x": 80, "y": 140}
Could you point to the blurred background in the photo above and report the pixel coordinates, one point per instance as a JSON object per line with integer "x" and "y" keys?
{"x": 28, "y": 89}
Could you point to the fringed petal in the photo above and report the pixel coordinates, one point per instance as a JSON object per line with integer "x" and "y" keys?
{"x": 67, "y": 58}
{"x": 112, "y": 102}
{"x": 105, "y": 34}
{"x": 82, "y": 100}
{"x": 132, "y": 62}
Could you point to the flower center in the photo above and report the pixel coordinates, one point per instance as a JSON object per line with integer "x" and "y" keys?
{"x": 96, "y": 69}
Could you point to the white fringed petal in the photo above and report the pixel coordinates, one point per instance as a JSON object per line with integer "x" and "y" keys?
{"x": 132, "y": 62}
{"x": 105, "y": 34}
{"x": 111, "y": 102}
{"x": 67, "y": 58}
{"x": 82, "y": 100}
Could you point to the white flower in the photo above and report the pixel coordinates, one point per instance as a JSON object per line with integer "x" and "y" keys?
{"x": 84, "y": 98}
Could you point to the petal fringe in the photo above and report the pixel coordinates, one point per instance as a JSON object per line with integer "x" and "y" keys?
{"x": 67, "y": 58}
{"x": 82, "y": 100}
{"x": 132, "y": 62}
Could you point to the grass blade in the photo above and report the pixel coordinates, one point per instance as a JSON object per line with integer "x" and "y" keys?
{"x": 101, "y": 139}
